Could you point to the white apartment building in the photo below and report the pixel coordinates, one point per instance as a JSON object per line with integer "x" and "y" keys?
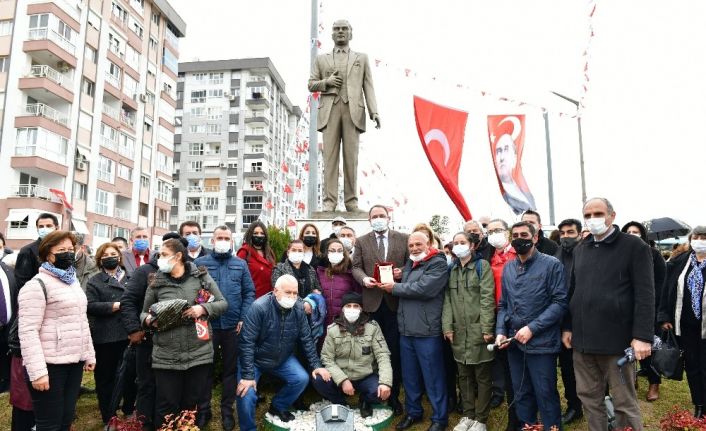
{"x": 88, "y": 99}
{"x": 234, "y": 156}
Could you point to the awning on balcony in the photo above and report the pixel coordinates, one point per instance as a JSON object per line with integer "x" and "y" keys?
{"x": 84, "y": 152}
{"x": 17, "y": 215}
{"x": 79, "y": 226}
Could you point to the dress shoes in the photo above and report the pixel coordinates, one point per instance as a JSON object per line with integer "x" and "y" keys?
{"x": 396, "y": 407}
{"x": 366, "y": 409}
{"x": 407, "y": 422}
{"x": 653, "y": 392}
{"x": 571, "y": 415}
{"x": 228, "y": 423}
{"x": 284, "y": 416}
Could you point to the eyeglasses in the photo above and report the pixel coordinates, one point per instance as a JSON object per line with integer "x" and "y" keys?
{"x": 496, "y": 231}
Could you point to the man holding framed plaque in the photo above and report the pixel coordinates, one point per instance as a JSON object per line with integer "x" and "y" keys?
{"x": 382, "y": 247}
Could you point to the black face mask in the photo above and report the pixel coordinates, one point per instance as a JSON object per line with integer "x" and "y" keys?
{"x": 64, "y": 260}
{"x": 309, "y": 240}
{"x": 475, "y": 238}
{"x": 568, "y": 243}
{"x": 522, "y": 246}
{"x": 110, "y": 262}
{"x": 259, "y": 241}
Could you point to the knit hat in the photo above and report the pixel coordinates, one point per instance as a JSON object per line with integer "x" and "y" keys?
{"x": 352, "y": 298}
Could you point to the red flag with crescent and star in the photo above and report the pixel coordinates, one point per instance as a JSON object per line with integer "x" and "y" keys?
{"x": 441, "y": 131}
{"x": 506, "y": 134}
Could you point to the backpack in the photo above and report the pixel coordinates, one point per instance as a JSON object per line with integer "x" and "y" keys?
{"x": 479, "y": 267}
{"x": 13, "y": 337}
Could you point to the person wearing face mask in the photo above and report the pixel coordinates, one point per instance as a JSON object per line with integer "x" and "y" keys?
{"x": 181, "y": 357}
{"x": 336, "y": 279}
{"x": 421, "y": 300}
{"x": 569, "y": 231}
{"x": 256, "y": 251}
{"x": 468, "y": 323}
{"x": 532, "y": 305}
{"x": 233, "y": 279}
{"x": 611, "y": 307}
{"x": 27, "y": 264}
{"x": 659, "y": 269}
{"x": 110, "y": 339}
{"x": 296, "y": 266}
{"x": 309, "y": 237}
{"x": 55, "y": 337}
{"x": 356, "y": 356}
{"x": 139, "y": 253}
{"x": 191, "y": 230}
{"x": 544, "y": 244}
{"x": 337, "y": 224}
{"x": 347, "y": 237}
{"x": 478, "y": 237}
{"x": 272, "y": 328}
{"x": 681, "y": 310}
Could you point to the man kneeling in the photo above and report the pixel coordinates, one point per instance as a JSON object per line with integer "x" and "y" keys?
{"x": 356, "y": 355}
{"x": 273, "y": 325}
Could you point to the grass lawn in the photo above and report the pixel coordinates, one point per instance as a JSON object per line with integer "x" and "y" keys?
{"x": 671, "y": 393}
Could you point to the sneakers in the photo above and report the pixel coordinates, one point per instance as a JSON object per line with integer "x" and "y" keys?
{"x": 465, "y": 424}
{"x": 478, "y": 427}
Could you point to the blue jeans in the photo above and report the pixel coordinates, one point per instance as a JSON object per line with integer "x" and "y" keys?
{"x": 423, "y": 369}
{"x": 295, "y": 381}
{"x": 534, "y": 382}
{"x": 366, "y": 388}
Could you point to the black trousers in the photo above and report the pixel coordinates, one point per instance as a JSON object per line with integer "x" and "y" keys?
{"x": 225, "y": 341}
{"x": 54, "y": 409}
{"x": 503, "y": 366}
{"x": 451, "y": 373}
{"x": 566, "y": 363}
{"x": 146, "y": 388}
{"x": 387, "y": 319}
{"x": 22, "y": 420}
{"x": 108, "y": 359}
{"x": 179, "y": 390}
{"x": 694, "y": 363}
{"x": 4, "y": 359}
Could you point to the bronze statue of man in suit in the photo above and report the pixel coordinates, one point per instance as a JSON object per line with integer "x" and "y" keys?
{"x": 343, "y": 77}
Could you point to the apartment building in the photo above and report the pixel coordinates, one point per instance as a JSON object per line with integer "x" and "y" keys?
{"x": 234, "y": 154}
{"x": 88, "y": 103}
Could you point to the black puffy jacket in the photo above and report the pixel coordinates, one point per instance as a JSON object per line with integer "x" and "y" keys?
{"x": 270, "y": 333}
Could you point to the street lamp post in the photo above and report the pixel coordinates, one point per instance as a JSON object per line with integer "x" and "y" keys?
{"x": 578, "y": 121}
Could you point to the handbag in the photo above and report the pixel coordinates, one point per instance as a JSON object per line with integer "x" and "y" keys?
{"x": 669, "y": 359}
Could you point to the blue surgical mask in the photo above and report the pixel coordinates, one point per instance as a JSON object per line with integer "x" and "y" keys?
{"x": 44, "y": 231}
{"x": 194, "y": 242}
{"x": 379, "y": 224}
{"x": 141, "y": 245}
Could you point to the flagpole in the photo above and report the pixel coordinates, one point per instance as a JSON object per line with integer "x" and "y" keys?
{"x": 550, "y": 177}
{"x": 312, "y": 200}
{"x": 578, "y": 121}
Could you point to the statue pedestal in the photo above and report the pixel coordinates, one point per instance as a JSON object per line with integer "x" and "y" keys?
{"x": 322, "y": 220}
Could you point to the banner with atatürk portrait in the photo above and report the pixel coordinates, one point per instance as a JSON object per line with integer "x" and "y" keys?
{"x": 507, "y": 136}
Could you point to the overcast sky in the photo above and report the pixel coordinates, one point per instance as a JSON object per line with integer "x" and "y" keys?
{"x": 644, "y": 109}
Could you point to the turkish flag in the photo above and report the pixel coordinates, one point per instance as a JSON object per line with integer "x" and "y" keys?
{"x": 506, "y": 134}
{"x": 301, "y": 205}
{"x": 62, "y": 197}
{"x": 287, "y": 189}
{"x": 298, "y": 184}
{"x": 441, "y": 131}
{"x": 291, "y": 223}
{"x": 285, "y": 168}
{"x": 269, "y": 205}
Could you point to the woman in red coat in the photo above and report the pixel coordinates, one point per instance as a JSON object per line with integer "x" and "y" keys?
{"x": 257, "y": 253}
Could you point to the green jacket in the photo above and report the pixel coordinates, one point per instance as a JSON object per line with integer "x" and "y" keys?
{"x": 356, "y": 356}
{"x": 469, "y": 310}
{"x": 179, "y": 348}
{"x": 85, "y": 269}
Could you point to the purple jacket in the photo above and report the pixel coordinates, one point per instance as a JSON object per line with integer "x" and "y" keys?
{"x": 333, "y": 290}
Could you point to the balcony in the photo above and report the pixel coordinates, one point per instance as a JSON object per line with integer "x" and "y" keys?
{"x": 45, "y": 71}
{"x": 127, "y": 119}
{"x": 203, "y": 189}
{"x": 109, "y": 144}
{"x": 252, "y": 118}
{"x": 33, "y": 191}
{"x": 46, "y": 84}
{"x": 122, "y": 214}
{"x": 257, "y": 101}
{"x": 171, "y": 39}
{"x": 46, "y": 111}
{"x": 112, "y": 80}
{"x": 112, "y": 112}
{"x": 163, "y": 196}
{"x": 44, "y": 33}
{"x": 257, "y": 138}
{"x": 193, "y": 207}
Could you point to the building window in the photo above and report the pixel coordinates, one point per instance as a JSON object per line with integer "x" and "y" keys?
{"x": 125, "y": 172}
{"x": 6, "y": 27}
{"x": 80, "y": 191}
{"x": 119, "y": 12}
{"x": 215, "y": 78}
{"x": 249, "y": 218}
{"x": 199, "y": 76}
{"x": 233, "y": 165}
{"x": 153, "y": 44}
{"x": 196, "y": 149}
{"x": 215, "y": 93}
{"x": 257, "y": 148}
{"x": 105, "y": 169}
{"x": 94, "y": 20}
{"x": 138, "y": 5}
{"x": 256, "y": 185}
{"x": 90, "y": 54}
{"x": 87, "y": 87}
{"x": 210, "y": 204}
{"x": 122, "y": 232}
{"x": 39, "y": 21}
{"x": 164, "y": 191}
{"x": 197, "y": 128}
{"x": 198, "y": 112}
{"x": 102, "y": 230}
{"x": 102, "y": 202}
{"x": 256, "y": 167}
{"x": 232, "y": 182}
{"x": 155, "y": 19}
{"x": 196, "y": 166}
{"x": 143, "y": 209}
{"x": 252, "y": 202}
{"x": 232, "y": 200}
{"x": 136, "y": 27}
{"x": 144, "y": 181}
{"x": 214, "y": 129}
{"x": 4, "y": 64}
{"x": 215, "y": 113}
{"x": 198, "y": 96}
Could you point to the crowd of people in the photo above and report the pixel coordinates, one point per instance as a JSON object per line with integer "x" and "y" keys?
{"x": 470, "y": 324}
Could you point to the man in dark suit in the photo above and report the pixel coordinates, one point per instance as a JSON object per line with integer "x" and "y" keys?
{"x": 382, "y": 245}
{"x": 139, "y": 253}
{"x": 27, "y": 265}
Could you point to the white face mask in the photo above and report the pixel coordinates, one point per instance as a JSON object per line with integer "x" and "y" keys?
{"x": 296, "y": 257}
{"x": 699, "y": 245}
{"x": 335, "y": 258}
{"x": 347, "y": 243}
{"x": 164, "y": 265}
{"x": 379, "y": 224}
{"x": 596, "y": 225}
{"x": 461, "y": 250}
{"x": 44, "y": 231}
{"x": 222, "y": 247}
{"x": 351, "y": 314}
{"x": 337, "y": 230}
{"x": 449, "y": 259}
{"x": 498, "y": 240}
{"x": 286, "y": 302}
{"x": 418, "y": 257}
